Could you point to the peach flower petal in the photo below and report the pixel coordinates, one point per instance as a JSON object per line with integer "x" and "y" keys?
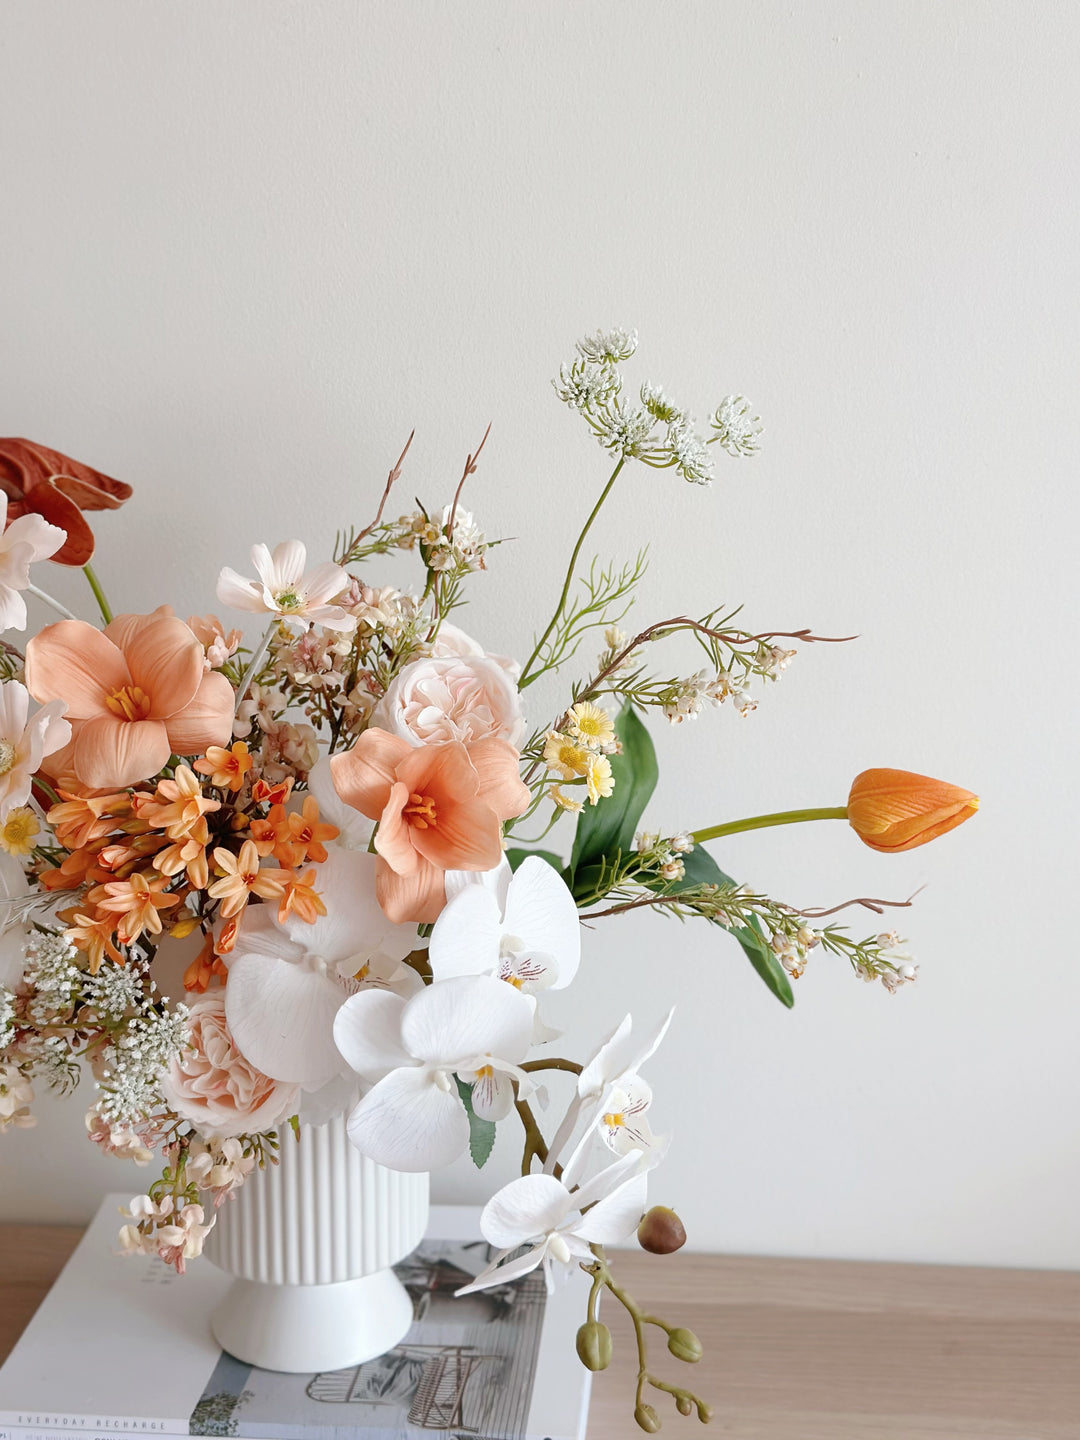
{"x": 109, "y": 752}
{"x": 74, "y": 662}
{"x": 164, "y": 657}
{"x": 419, "y": 897}
{"x": 207, "y": 719}
{"x": 467, "y": 837}
{"x": 442, "y": 771}
{"x": 501, "y": 785}
{"x": 363, "y": 775}
{"x": 394, "y": 840}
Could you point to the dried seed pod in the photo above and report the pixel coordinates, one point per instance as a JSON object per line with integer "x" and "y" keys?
{"x": 661, "y": 1232}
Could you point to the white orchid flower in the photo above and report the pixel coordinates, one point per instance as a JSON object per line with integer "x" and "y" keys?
{"x": 622, "y": 1123}
{"x": 559, "y": 1225}
{"x": 26, "y": 539}
{"x": 283, "y": 589}
{"x": 473, "y": 1027}
{"x": 522, "y": 928}
{"x": 25, "y": 740}
{"x": 287, "y": 981}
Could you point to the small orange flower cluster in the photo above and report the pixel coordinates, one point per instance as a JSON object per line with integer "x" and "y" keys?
{"x": 136, "y": 855}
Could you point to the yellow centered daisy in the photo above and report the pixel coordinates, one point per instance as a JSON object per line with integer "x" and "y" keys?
{"x": 592, "y": 724}
{"x": 563, "y": 754}
{"x": 599, "y": 779}
{"x": 19, "y": 831}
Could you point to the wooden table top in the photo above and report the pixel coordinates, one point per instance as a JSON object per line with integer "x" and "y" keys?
{"x": 795, "y": 1349}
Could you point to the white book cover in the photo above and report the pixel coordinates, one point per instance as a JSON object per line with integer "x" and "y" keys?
{"x": 122, "y": 1346}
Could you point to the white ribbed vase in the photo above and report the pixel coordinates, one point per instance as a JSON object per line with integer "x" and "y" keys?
{"x": 311, "y": 1241}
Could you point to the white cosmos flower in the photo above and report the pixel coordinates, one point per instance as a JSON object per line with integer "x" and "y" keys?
{"x": 25, "y": 540}
{"x": 559, "y": 1225}
{"x": 288, "y": 981}
{"x": 521, "y": 927}
{"x": 472, "y": 1027}
{"x": 283, "y": 589}
{"x": 25, "y": 743}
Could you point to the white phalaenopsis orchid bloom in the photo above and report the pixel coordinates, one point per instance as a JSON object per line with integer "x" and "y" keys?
{"x": 473, "y": 1027}
{"x": 26, "y": 539}
{"x": 622, "y": 1124}
{"x": 25, "y": 740}
{"x": 283, "y": 589}
{"x": 557, "y": 1224}
{"x": 287, "y": 981}
{"x": 524, "y": 929}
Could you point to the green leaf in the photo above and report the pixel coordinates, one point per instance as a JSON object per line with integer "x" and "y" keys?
{"x": 481, "y": 1132}
{"x": 517, "y": 856}
{"x": 702, "y": 869}
{"x": 607, "y": 828}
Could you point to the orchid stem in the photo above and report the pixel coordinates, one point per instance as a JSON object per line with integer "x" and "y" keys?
{"x": 51, "y": 600}
{"x": 254, "y": 665}
{"x": 99, "y": 594}
{"x": 760, "y": 822}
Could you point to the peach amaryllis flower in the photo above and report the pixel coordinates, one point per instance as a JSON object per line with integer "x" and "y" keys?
{"x": 895, "y": 810}
{"x": 40, "y": 481}
{"x": 439, "y": 808}
{"x": 136, "y": 694}
{"x": 283, "y": 589}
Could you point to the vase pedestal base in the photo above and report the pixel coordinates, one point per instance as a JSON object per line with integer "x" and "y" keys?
{"x": 311, "y": 1328}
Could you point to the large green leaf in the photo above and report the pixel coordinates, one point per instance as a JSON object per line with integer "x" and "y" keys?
{"x": 702, "y": 869}
{"x": 607, "y": 828}
{"x": 481, "y": 1132}
{"x": 517, "y": 858}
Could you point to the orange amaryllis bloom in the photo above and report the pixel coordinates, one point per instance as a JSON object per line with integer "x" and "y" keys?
{"x": 300, "y": 898}
{"x": 896, "y": 810}
{"x": 226, "y": 768}
{"x": 40, "y": 481}
{"x": 439, "y": 808}
{"x": 135, "y": 695}
{"x": 242, "y": 878}
{"x": 137, "y": 901}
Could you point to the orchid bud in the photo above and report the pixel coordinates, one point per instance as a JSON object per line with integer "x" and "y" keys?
{"x": 594, "y": 1345}
{"x": 684, "y": 1405}
{"x": 684, "y": 1345}
{"x": 704, "y": 1412}
{"x": 661, "y": 1232}
{"x": 893, "y": 810}
{"x": 647, "y": 1418}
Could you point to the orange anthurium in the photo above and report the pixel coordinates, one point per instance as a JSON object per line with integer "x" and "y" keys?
{"x": 896, "y": 810}
{"x": 40, "y": 481}
{"x": 135, "y": 694}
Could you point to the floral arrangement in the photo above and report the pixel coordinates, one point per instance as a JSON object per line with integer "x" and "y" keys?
{"x": 334, "y": 818}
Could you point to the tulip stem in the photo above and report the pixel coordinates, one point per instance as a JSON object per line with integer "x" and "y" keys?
{"x": 99, "y": 594}
{"x": 760, "y": 822}
{"x": 48, "y": 599}
{"x": 254, "y": 665}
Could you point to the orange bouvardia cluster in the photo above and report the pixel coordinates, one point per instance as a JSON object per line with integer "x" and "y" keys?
{"x": 179, "y": 857}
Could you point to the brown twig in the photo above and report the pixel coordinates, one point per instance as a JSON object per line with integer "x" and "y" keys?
{"x": 877, "y": 906}
{"x": 390, "y": 481}
{"x": 448, "y": 528}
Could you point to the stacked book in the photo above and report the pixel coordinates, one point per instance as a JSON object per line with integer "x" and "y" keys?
{"x": 110, "y": 1353}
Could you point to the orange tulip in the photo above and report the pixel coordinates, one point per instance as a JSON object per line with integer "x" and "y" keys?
{"x": 895, "y": 810}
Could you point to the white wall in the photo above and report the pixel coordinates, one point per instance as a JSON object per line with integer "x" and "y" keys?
{"x": 247, "y": 247}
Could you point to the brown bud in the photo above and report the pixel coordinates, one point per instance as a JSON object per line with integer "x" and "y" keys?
{"x": 661, "y": 1232}
{"x": 684, "y": 1405}
{"x": 684, "y": 1345}
{"x": 594, "y": 1345}
{"x": 647, "y": 1418}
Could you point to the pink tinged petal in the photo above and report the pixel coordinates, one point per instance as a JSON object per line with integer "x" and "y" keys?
{"x": 14, "y": 708}
{"x": 355, "y": 829}
{"x": 409, "y": 1122}
{"x": 466, "y": 836}
{"x": 456, "y": 1021}
{"x": 282, "y": 568}
{"x": 206, "y": 719}
{"x": 540, "y": 910}
{"x": 493, "y": 1095}
{"x": 12, "y": 609}
{"x": 47, "y": 732}
{"x": 35, "y": 532}
{"x": 501, "y": 786}
{"x": 367, "y": 1033}
{"x": 417, "y": 897}
{"x": 530, "y": 1206}
{"x": 110, "y": 753}
{"x": 322, "y": 584}
{"x": 282, "y": 1018}
{"x": 239, "y": 594}
{"x": 330, "y": 617}
{"x": 363, "y": 775}
{"x": 496, "y": 1274}
{"x": 466, "y": 937}
{"x": 164, "y": 658}
{"x": 72, "y": 661}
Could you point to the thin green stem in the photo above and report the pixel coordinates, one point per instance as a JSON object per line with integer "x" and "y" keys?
{"x": 526, "y": 679}
{"x": 760, "y": 822}
{"x": 99, "y": 594}
{"x": 51, "y": 600}
{"x": 255, "y": 664}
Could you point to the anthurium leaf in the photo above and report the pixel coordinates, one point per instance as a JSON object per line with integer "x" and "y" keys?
{"x": 517, "y": 856}
{"x": 481, "y": 1132}
{"x": 607, "y": 828}
{"x": 702, "y": 869}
